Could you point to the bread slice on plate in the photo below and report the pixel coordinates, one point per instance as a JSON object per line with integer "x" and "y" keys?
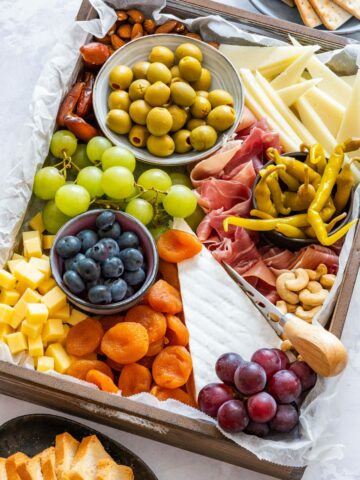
{"x": 65, "y": 449}
{"x": 107, "y": 469}
{"x": 3, "y": 475}
{"x": 12, "y": 464}
{"x": 30, "y": 469}
{"x": 48, "y": 464}
{"x": 331, "y": 15}
{"x": 308, "y": 14}
{"x": 89, "y": 453}
{"x": 351, "y": 6}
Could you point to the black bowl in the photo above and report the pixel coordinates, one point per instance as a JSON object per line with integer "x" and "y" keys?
{"x": 288, "y": 243}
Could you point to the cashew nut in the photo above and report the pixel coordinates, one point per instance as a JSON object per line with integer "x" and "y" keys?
{"x": 317, "y": 274}
{"x": 314, "y": 299}
{"x": 300, "y": 281}
{"x": 314, "y": 286}
{"x": 307, "y": 315}
{"x": 328, "y": 280}
{"x": 285, "y": 293}
{"x": 290, "y": 308}
{"x": 307, "y": 307}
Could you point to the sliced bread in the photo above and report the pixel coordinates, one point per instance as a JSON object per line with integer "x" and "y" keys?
{"x": 89, "y": 453}
{"x": 3, "y": 474}
{"x": 12, "y": 464}
{"x": 30, "y": 469}
{"x": 107, "y": 469}
{"x": 65, "y": 449}
{"x": 48, "y": 464}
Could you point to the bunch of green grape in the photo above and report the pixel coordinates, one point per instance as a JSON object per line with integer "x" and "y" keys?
{"x": 105, "y": 176}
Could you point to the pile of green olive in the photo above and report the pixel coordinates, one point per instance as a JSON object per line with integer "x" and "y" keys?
{"x": 167, "y": 107}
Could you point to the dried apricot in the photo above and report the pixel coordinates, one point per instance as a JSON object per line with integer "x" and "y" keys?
{"x": 174, "y": 393}
{"x": 109, "y": 321}
{"x": 172, "y": 367}
{"x": 169, "y": 273}
{"x": 84, "y": 337}
{"x": 174, "y": 246}
{"x": 155, "y": 347}
{"x": 176, "y": 333}
{"x": 80, "y": 368}
{"x": 134, "y": 378}
{"x": 154, "y": 322}
{"x": 102, "y": 381}
{"x": 127, "y": 342}
{"x": 162, "y": 297}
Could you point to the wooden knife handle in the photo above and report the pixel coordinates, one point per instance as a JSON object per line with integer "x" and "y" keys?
{"x": 320, "y": 349}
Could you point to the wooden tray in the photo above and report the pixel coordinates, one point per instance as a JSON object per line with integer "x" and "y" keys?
{"x": 151, "y": 422}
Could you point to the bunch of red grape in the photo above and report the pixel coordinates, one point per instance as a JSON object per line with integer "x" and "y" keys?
{"x": 259, "y": 396}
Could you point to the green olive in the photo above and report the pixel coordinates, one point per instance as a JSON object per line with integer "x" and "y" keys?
{"x": 159, "y": 121}
{"x": 119, "y": 99}
{"x": 175, "y": 72}
{"x": 190, "y": 69}
{"x": 140, "y": 69}
{"x": 221, "y": 117}
{"x": 178, "y": 79}
{"x": 182, "y": 141}
{"x": 119, "y": 121}
{"x": 163, "y": 55}
{"x": 179, "y": 116}
{"x": 204, "y": 82}
{"x": 188, "y": 49}
{"x": 202, "y": 93}
{"x": 138, "y": 136}
{"x": 220, "y": 97}
{"x": 182, "y": 94}
{"x": 160, "y": 146}
{"x": 120, "y": 77}
{"x": 157, "y": 94}
{"x": 200, "y": 108}
{"x": 138, "y": 111}
{"x": 158, "y": 72}
{"x": 203, "y": 137}
{"x": 195, "y": 122}
{"x": 138, "y": 88}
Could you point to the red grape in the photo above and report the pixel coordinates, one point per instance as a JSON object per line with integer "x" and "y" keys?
{"x": 306, "y": 375}
{"x": 285, "y": 362}
{"x": 284, "y": 386}
{"x": 258, "y": 429}
{"x": 232, "y": 416}
{"x": 286, "y": 419}
{"x": 212, "y": 396}
{"x": 268, "y": 359}
{"x": 261, "y": 407}
{"x": 250, "y": 378}
{"x": 226, "y": 365}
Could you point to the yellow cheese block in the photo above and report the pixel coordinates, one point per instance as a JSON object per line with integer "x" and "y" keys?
{"x": 36, "y": 347}
{"x": 292, "y": 93}
{"x": 41, "y": 264}
{"x": 63, "y": 314}
{"x": 55, "y": 300}
{"x": 46, "y": 285}
{"x": 29, "y": 296}
{"x": 7, "y": 280}
{"x": 31, "y": 330}
{"x": 9, "y": 297}
{"x": 48, "y": 241}
{"x": 350, "y": 124}
{"x": 62, "y": 361}
{"x": 36, "y": 223}
{"x": 62, "y": 340}
{"x": 32, "y": 247}
{"x": 5, "y": 330}
{"x": 294, "y": 71}
{"x": 6, "y": 313}
{"x": 53, "y": 331}
{"x": 30, "y": 234}
{"x": 44, "y": 364}
{"x": 11, "y": 264}
{"x": 16, "y": 342}
{"x": 21, "y": 287}
{"x": 76, "y": 317}
{"x": 28, "y": 274}
{"x": 36, "y": 313}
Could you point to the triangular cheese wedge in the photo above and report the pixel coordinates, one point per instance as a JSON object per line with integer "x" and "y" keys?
{"x": 294, "y": 71}
{"x": 349, "y": 79}
{"x": 219, "y": 316}
{"x": 350, "y": 126}
{"x": 292, "y": 93}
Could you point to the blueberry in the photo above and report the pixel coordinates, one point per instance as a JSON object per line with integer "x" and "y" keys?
{"x": 105, "y": 220}
{"x": 88, "y": 269}
{"x": 128, "y": 240}
{"x": 118, "y": 290}
{"x": 88, "y": 252}
{"x": 74, "y": 282}
{"x": 113, "y": 232}
{"x": 134, "y": 277}
{"x": 132, "y": 259}
{"x": 129, "y": 292}
{"x": 68, "y": 246}
{"x": 98, "y": 252}
{"x": 112, "y": 267}
{"x": 112, "y": 248}
{"x": 100, "y": 294}
{"x": 88, "y": 238}
{"x": 70, "y": 263}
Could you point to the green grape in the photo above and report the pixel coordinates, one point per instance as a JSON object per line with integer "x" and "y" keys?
{"x": 195, "y": 218}
{"x": 90, "y": 178}
{"x": 178, "y": 178}
{"x": 47, "y": 181}
{"x": 72, "y": 199}
{"x": 154, "y": 178}
{"x": 118, "y": 157}
{"x": 180, "y": 201}
{"x": 80, "y": 158}
{"x": 140, "y": 209}
{"x": 134, "y": 193}
{"x": 53, "y": 218}
{"x": 118, "y": 182}
{"x": 62, "y": 142}
{"x": 96, "y": 147}
{"x": 157, "y": 231}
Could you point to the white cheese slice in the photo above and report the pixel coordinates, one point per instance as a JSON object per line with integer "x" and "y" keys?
{"x": 350, "y": 126}
{"x": 219, "y": 316}
{"x": 292, "y": 93}
{"x": 294, "y": 71}
{"x": 349, "y": 79}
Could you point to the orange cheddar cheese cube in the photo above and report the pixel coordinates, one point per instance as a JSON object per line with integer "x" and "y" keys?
{"x": 44, "y": 364}
{"x": 36, "y": 313}
{"x": 7, "y": 280}
{"x": 16, "y": 342}
{"x": 29, "y": 296}
{"x": 5, "y": 330}
{"x": 9, "y": 297}
{"x": 63, "y": 314}
{"x": 28, "y": 274}
{"x": 62, "y": 361}
{"x": 53, "y": 331}
{"x": 32, "y": 247}
{"x": 54, "y": 299}
{"x": 46, "y": 285}
{"x": 41, "y": 264}
{"x": 6, "y": 314}
{"x": 36, "y": 223}
{"x": 31, "y": 330}
{"x": 76, "y": 317}
{"x": 48, "y": 241}
{"x": 36, "y": 347}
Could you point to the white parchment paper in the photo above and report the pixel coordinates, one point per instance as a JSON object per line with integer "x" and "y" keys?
{"x": 295, "y": 449}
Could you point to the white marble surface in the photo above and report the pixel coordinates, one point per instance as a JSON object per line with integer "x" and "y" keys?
{"x": 28, "y": 31}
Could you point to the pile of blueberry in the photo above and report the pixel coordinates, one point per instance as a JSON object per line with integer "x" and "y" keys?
{"x": 104, "y": 266}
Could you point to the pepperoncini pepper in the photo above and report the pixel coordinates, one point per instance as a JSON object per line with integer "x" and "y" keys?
{"x": 317, "y": 158}
{"x": 259, "y": 214}
{"x": 329, "y": 226}
{"x": 300, "y": 200}
{"x": 290, "y": 231}
{"x": 276, "y": 192}
{"x": 263, "y": 194}
{"x": 344, "y": 185}
{"x": 266, "y": 225}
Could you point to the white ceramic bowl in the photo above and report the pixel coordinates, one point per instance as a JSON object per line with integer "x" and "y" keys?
{"x": 224, "y": 76}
